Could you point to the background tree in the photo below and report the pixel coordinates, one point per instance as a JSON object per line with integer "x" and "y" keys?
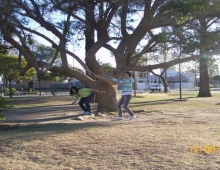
{"x": 213, "y": 67}
{"x": 108, "y": 68}
{"x": 200, "y": 36}
{"x": 217, "y": 79}
{"x": 4, "y": 46}
{"x": 8, "y": 69}
{"x": 45, "y": 53}
{"x": 51, "y": 78}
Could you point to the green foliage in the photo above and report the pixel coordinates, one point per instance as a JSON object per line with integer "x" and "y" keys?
{"x": 3, "y": 45}
{"x": 3, "y": 49}
{"x": 108, "y": 68}
{"x": 2, "y": 117}
{"x": 184, "y": 10}
{"x": 212, "y": 67}
{"x": 45, "y": 53}
{"x": 6, "y": 90}
{"x": 52, "y": 77}
{"x": 4, "y": 105}
{"x": 32, "y": 90}
{"x": 215, "y": 86}
{"x": 13, "y": 90}
{"x": 8, "y": 68}
{"x": 143, "y": 60}
{"x": 216, "y": 77}
{"x": 161, "y": 37}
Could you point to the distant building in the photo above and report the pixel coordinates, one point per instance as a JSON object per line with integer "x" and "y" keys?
{"x": 144, "y": 80}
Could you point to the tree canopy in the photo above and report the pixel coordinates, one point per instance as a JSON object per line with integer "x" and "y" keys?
{"x": 9, "y": 69}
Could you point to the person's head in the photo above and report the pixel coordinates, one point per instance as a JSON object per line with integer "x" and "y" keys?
{"x": 127, "y": 74}
{"x": 73, "y": 90}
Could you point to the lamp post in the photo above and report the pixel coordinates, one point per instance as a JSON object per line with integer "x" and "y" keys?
{"x": 180, "y": 84}
{"x": 39, "y": 81}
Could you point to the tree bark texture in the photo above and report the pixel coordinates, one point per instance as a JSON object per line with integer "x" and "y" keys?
{"x": 204, "y": 90}
{"x": 164, "y": 83}
{"x": 107, "y": 102}
{"x": 10, "y": 90}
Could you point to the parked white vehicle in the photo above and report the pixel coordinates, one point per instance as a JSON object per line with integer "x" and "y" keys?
{"x": 158, "y": 87}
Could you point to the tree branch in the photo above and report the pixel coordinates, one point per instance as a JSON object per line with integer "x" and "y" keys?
{"x": 123, "y": 20}
{"x": 176, "y": 61}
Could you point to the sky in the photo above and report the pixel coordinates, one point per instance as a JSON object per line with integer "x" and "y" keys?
{"x": 102, "y": 55}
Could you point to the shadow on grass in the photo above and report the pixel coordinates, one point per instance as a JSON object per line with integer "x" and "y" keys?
{"x": 39, "y": 108}
{"x": 36, "y": 100}
{"x": 19, "y": 119}
{"x": 62, "y": 127}
{"x": 42, "y": 131}
{"x": 156, "y": 102}
{"x": 42, "y": 113}
{"x": 138, "y": 96}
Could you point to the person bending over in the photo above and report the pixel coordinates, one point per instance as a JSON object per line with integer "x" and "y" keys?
{"x": 85, "y": 95}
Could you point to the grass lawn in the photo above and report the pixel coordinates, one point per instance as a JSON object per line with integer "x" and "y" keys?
{"x": 167, "y": 134}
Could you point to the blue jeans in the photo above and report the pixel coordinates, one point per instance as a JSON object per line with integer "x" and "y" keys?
{"x": 124, "y": 100}
{"x": 84, "y": 102}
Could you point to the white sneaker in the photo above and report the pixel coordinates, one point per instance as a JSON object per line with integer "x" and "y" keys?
{"x": 86, "y": 113}
{"x": 118, "y": 118}
{"x": 132, "y": 117}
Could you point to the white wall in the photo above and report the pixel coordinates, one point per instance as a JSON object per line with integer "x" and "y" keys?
{"x": 184, "y": 85}
{"x": 141, "y": 86}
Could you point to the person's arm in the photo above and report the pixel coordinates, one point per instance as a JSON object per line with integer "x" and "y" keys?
{"x": 97, "y": 91}
{"x": 76, "y": 97}
{"x": 74, "y": 102}
{"x": 124, "y": 81}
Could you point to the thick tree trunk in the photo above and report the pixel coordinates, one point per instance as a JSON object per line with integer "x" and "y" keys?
{"x": 107, "y": 102}
{"x": 204, "y": 90}
{"x": 30, "y": 85}
{"x": 164, "y": 83}
{"x": 10, "y": 90}
{"x": 163, "y": 80}
{"x": 6, "y": 83}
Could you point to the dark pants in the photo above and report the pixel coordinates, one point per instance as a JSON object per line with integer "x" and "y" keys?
{"x": 124, "y": 100}
{"x": 86, "y": 101}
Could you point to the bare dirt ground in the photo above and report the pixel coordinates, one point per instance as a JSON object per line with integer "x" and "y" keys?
{"x": 50, "y": 134}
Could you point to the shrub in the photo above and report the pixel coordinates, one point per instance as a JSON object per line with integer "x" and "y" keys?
{"x": 4, "y": 105}
{"x": 13, "y": 90}
{"x": 6, "y": 90}
{"x": 32, "y": 90}
{"x": 215, "y": 85}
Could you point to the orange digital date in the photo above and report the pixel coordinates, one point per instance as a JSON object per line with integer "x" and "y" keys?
{"x": 204, "y": 149}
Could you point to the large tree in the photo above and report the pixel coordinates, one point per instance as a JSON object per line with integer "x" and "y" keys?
{"x": 106, "y": 23}
{"x": 200, "y": 35}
